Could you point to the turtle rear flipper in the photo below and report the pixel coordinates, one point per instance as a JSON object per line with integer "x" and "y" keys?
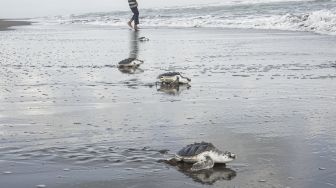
{"x": 207, "y": 163}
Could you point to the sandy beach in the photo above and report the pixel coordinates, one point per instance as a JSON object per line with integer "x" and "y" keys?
{"x": 70, "y": 118}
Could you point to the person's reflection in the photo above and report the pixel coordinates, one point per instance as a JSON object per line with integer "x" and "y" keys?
{"x": 134, "y": 44}
{"x": 132, "y": 63}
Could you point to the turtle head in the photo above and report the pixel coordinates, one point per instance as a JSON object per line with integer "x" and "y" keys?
{"x": 184, "y": 80}
{"x": 232, "y": 155}
{"x": 226, "y": 157}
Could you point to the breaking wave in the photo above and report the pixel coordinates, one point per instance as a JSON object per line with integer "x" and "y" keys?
{"x": 314, "y": 16}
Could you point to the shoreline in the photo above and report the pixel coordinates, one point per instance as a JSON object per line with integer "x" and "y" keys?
{"x": 146, "y": 28}
{"x": 6, "y": 24}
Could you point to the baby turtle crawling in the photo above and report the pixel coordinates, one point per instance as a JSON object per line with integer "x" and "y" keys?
{"x": 143, "y": 39}
{"x": 203, "y": 156}
{"x": 173, "y": 78}
{"x": 130, "y": 63}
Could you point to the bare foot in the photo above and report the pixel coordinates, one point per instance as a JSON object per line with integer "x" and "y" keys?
{"x": 130, "y": 24}
{"x": 136, "y": 28}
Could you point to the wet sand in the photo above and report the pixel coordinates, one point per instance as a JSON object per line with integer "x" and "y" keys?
{"x": 70, "y": 118}
{"x": 6, "y": 24}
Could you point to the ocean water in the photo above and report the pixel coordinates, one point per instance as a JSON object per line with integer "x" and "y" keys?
{"x": 318, "y": 16}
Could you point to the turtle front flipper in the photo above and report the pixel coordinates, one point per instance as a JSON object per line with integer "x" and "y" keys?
{"x": 207, "y": 163}
{"x": 173, "y": 161}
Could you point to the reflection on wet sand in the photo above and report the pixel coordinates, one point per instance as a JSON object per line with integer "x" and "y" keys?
{"x": 208, "y": 177}
{"x": 131, "y": 64}
{"x": 130, "y": 70}
{"x": 274, "y": 104}
{"x": 172, "y": 89}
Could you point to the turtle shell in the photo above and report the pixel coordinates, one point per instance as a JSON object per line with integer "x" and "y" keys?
{"x": 196, "y": 148}
{"x": 169, "y": 74}
{"x": 126, "y": 61}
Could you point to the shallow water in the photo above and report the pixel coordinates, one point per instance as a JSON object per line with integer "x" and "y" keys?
{"x": 69, "y": 117}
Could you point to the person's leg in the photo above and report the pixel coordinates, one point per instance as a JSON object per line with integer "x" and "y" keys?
{"x": 129, "y": 23}
{"x": 135, "y": 17}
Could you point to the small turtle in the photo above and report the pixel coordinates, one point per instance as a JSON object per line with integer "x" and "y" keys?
{"x": 143, "y": 39}
{"x": 173, "y": 78}
{"x": 130, "y": 62}
{"x": 203, "y": 156}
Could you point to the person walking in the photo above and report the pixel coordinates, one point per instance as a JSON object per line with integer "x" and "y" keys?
{"x": 133, "y": 4}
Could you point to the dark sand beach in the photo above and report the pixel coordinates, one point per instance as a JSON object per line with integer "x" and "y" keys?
{"x": 70, "y": 118}
{"x": 6, "y": 24}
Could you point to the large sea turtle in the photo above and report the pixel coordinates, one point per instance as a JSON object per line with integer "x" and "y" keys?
{"x": 203, "y": 156}
{"x": 173, "y": 78}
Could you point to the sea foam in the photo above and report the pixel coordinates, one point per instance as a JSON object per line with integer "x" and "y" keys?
{"x": 298, "y": 15}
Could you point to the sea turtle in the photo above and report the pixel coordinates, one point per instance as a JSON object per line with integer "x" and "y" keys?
{"x": 203, "y": 156}
{"x": 173, "y": 78}
{"x": 130, "y": 62}
{"x": 143, "y": 39}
